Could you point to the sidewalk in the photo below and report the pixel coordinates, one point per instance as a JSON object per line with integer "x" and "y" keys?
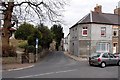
{"x": 11, "y": 67}
{"x": 75, "y": 57}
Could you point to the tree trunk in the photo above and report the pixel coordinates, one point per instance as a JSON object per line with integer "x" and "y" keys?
{"x": 6, "y": 27}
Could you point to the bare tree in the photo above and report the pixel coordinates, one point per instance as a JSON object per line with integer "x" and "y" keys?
{"x": 44, "y": 10}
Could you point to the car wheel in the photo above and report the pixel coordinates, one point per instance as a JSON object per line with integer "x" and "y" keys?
{"x": 90, "y": 64}
{"x": 118, "y": 63}
{"x": 103, "y": 64}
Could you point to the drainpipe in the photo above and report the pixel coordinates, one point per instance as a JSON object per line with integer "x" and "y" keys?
{"x": 91, "y": 20}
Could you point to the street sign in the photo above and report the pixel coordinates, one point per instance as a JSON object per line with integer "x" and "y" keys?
{"x": 36, "y": 43}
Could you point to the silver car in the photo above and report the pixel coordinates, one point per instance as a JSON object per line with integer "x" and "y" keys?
{"x": 103, "y": 59}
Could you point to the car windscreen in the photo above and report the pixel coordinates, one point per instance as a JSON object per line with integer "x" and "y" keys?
{"x": 95, "y": 55}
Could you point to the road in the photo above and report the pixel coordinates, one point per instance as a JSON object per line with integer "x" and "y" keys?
{"x": 57, "y": 65}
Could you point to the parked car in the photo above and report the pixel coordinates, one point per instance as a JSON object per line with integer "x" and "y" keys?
{"x": 103, "y": 59}
{"x": 117, "y": 55}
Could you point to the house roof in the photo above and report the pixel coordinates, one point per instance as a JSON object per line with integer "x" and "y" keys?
{"x": 99, "y": 18}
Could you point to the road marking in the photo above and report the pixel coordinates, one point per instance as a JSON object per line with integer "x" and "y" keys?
{"x": 21, "y": 68}
{"x": 47, "y": 73}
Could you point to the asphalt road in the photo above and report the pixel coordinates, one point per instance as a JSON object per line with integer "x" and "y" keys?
{"x": 57, "y": 65}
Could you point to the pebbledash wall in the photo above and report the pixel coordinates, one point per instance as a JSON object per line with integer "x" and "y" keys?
{"x": 85, "y": 45}
{"x": 96, "y": 37}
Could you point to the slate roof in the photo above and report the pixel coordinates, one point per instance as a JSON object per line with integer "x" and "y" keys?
{"x": 100, "y": 18}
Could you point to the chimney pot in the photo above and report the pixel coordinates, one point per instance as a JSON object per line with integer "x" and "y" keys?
{"x": 117, "y": 11}
{"x": 98, "y": 8}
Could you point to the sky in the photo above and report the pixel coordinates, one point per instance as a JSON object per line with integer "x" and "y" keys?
{"x": 76, "y": 9}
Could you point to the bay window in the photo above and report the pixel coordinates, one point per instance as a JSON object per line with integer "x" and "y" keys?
{"x": 102, "y": 47}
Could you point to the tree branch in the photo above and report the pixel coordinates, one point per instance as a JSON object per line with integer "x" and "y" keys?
{"x": 28, "y": 3}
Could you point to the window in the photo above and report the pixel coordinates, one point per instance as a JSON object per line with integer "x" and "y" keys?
{"x": 103, "y": 31}
{"x": 115, "y": 32}
{"x": 102, "y": 47}
{"x": 76, "y": 28}
{"x": 105, "y": 55}
{"x": 84, "y": 31}
{"x": 95, "y": 55}
{"x": 114, "y": 44}
{"x": 111, "y": 56}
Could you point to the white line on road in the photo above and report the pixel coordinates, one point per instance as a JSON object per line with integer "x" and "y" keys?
{"x": 47, "y": 73}
{"x": 21, "y": 68}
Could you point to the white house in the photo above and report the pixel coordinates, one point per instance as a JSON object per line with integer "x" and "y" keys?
{"x": 67, "y": 43}
{"x": 93, "y": 33}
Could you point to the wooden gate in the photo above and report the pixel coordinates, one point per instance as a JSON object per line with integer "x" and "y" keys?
{"x": 25, "y": 58}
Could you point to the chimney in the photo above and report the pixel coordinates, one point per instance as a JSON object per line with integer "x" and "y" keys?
{"x": 98, "y": 8}
{"x": 117, "y": 11}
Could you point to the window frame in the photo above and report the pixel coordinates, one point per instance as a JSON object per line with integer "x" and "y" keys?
{"x": 103, "y": 31}
{"x": 105, "y": 56}
{"x": 83, "y": 29}
{"x": 101, "y": 45}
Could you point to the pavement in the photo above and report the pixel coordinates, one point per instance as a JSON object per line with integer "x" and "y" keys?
{"x": 16, "y": 66}
{"x": 75, "y": 57}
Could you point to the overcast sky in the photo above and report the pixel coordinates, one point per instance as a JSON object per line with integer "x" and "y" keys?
{"x": 79, "y": 8}
{"x": 76, "y": 9}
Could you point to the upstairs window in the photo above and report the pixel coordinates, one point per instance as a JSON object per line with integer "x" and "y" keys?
{"x": 84, "y": 31}
{"x": 103, "y": 31}
{"x": 115, "y": 32}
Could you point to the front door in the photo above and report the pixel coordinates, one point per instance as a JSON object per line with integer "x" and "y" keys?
{"x": 114, "y": 47}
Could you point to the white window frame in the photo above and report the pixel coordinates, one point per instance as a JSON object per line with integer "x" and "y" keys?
{"x": 83, "y": 29}
{"x": 104, "y": 30}
{"x": 100, "y": 46}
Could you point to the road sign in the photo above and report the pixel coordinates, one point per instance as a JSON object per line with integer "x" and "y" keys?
{"x": 36, "y": 43}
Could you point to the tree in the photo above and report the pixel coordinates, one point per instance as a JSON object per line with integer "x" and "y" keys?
{"x": 45, "y": 10}
{"x": 47, "y": 36}
{"x": 57, "y": 30}
{"x": 32, "y": 37}
{"x": 24, "y": 31}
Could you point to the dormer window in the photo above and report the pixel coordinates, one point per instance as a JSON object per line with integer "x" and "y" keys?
{"x": 84, "y": 31}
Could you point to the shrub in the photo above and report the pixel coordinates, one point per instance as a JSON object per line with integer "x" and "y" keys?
{"x": 23, "y": 44}
{"x": 39, "y": 49}
{"x": 12, "y": 51}
{"x": 8, "y": 60}
{"x": 30, "y": 49}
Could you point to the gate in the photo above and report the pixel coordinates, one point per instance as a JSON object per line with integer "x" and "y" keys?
{"x": 25, "y": 58}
